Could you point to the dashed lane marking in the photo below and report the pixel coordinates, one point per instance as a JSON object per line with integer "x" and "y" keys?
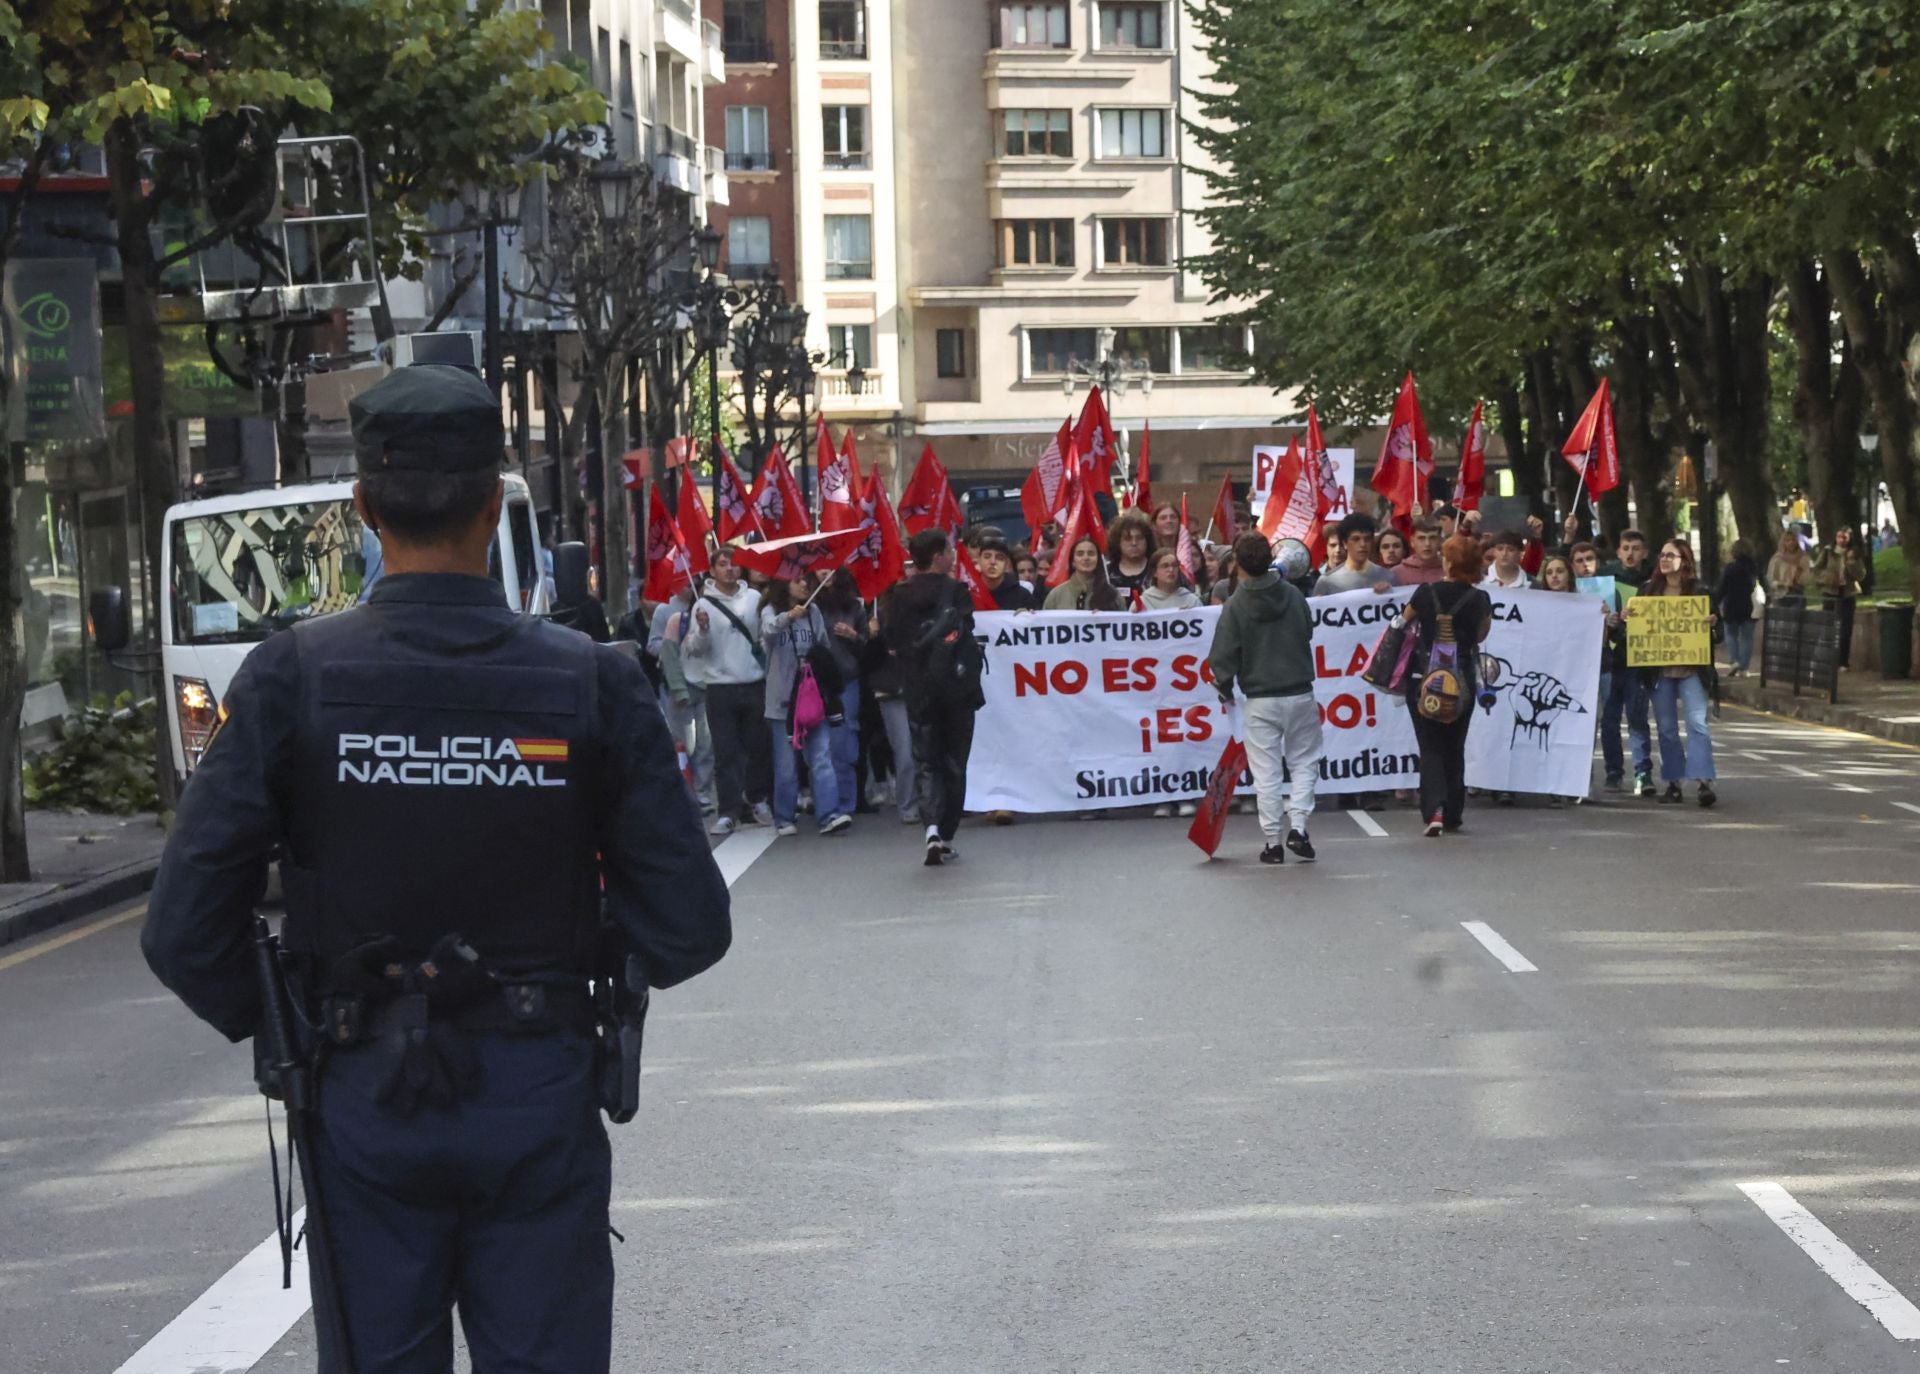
{"x": 1368, "y": 824}
{"x": 1837, "y": 1260}
{"x": 1498, "y": 947}
{"x": 232, "y": 1325}
{"x": 119, "y": 918}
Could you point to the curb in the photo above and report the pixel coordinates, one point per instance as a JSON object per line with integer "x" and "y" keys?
{"x": 81, "y": 899}
{"x": 1817, "y": 710}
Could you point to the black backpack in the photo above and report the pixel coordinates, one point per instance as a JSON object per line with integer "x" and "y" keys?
{"x": 954, "y": 662}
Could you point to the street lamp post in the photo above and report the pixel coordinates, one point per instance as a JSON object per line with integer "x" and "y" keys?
{"x": 712, "y": 303}
{"x": 1111, "y": 374}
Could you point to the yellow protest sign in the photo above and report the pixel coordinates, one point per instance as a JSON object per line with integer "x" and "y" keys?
{"x": 1669, "y": 632}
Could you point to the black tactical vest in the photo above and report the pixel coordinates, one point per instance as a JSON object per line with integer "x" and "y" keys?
{"x": 441, "y": 793}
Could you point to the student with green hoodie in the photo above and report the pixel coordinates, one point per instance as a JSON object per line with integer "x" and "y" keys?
{"x": 1264, "y": 643}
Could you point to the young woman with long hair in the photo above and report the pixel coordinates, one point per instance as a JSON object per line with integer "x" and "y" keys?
{"x": 1680, "y": 691}
{"x": 791, "y": 629}
{"x": 1129, "y": 547}
{"x": 1165, "y": 591}
{"x": 1086, "y": 587}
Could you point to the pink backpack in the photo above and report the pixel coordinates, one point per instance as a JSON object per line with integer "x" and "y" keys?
{"x": 809, "y": 707}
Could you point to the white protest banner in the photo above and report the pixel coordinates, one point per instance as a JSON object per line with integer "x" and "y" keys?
{"x": 1266, "y": 458}
{"x": 1089, "y": 711}
{"x": 1086, "y": 711}
{"x": 1538, "y": 696}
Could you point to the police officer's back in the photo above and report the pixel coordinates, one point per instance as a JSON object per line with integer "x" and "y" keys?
{"x": 448, "y": 785}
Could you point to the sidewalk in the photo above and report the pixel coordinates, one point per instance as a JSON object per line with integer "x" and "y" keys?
{"x": 82, "y": 863}
{"x": 1869, "y": 704}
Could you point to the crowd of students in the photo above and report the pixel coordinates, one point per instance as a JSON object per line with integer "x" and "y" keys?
{"x": 731, "y": 655}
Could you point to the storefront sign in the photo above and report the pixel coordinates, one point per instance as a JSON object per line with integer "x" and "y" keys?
{"x": 50, "y": 310}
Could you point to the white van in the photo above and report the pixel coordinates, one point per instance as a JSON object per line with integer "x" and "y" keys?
{"x": 239, "y": 568}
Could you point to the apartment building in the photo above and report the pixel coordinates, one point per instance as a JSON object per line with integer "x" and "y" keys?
{"x": 983, "y": 196}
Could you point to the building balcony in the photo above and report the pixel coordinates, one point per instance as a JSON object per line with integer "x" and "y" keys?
{"x": 716, "y": 176}
{"x": 750, "y": 162}
{"x": 676, "y": 161}
{"x": 837, "y": 390}
{"x": 678, "y": 30}
{"x": 713, "y": 70}
{"x": 848, "y": 162}
{"x": 843, "y": 49}
{"x": 745, "y": 50}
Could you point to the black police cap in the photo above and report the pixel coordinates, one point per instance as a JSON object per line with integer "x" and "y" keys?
{"x": 427, "y": 418}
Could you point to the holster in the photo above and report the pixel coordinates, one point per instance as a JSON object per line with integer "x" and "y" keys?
{"x": 620, "y": 1003}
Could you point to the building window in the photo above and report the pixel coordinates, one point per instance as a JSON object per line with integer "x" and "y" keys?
{"x": 849, "y": 247}
{"x": 844, "y": 135}
{"x": 749, "y": 244}
{"x": 748, "y": 147}
{"x": 744, "y": 31}
{"x": 850, "y": 345}
{"x": 1133, "y": 133}
{"x": 843, "y": 30}
{"x": 1031, "y": 26}
{"x": 950, "y": 352}
{"x": 1036, "y": 243}
{"x": 1213, "y": 348}
{"x": 629, "y": 109}
{"x": 1050, "y": 350}
{"x": 1132, "y": 25}
{"x": 1134, "y": 243}
{"x": 1151, "y": 345}
{"x": 1037, "y": 133}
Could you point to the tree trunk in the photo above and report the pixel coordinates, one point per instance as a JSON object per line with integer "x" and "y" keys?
{"x": 1880, "y": 347}
{"x": 616, "y": 549}
{"x": 1829, "y": 439}
{"x": 155, "y": 465}
{"x": 14, "y": 866}
{"x": 1744, "y": 404}
{"x": 1643, "y": 458}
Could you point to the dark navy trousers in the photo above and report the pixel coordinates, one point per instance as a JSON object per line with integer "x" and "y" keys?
{"x": 497, "y": 1207}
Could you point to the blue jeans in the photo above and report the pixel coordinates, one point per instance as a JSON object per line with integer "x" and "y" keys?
{"x": 846, "y": 746}
{"x": 1623, "y": 693}
{"x": 1740, "y": 643}
{"x": 786, "y": 775}
{"x": 1671, "y": 697}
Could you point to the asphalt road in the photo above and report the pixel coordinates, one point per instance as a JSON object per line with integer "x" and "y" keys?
{"x": 1082, "y": 1102}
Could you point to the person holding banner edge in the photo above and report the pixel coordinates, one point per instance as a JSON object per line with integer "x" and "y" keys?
{"x": 1264, "y": 644}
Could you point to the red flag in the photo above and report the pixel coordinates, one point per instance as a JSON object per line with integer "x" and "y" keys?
{"x": 1319, "y": 461}
{"x": 1293, "y": 505}
{"x": 678, "y": 451}
{"x": 1082, "y": 522}
{"x": 947, "y": 514}
{"x": 1406, "y": 458}
{"x": 1224, "y": 519}
{"x": 776, "y": 500}
{"x": 1135, "y": 601}
{"x": 1093, "y": 436}
{"x": 1210, "y": 821}
{"x": 1593, "y": 450}
{"x": 921, "y": 499}
{"x": 964, "y": 570}
{"x": 735, "y": 505}
{"x": 1472, "y": 483}
{"x": 1186, "y": 551}
{"x": 1040, "y": 493}
{"x": 1142, "y": 479}
{"x": 693, "y": 519}
{"x": 786, "y": 559}
{"x": 669, "y": 564}
{"x": 855, "y": 481}
{"x": 838, "y": 486}
{"x": 879, "y": 561}
{"x": 635, "y": 464}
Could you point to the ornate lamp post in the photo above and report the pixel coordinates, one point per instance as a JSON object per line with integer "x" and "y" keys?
{"x": 1113, "y": 375}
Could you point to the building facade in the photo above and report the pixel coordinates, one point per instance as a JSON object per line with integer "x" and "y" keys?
{"x": 979, "y": 192}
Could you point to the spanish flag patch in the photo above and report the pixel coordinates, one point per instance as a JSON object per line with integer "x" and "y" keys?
{"x": 542, "y": 750}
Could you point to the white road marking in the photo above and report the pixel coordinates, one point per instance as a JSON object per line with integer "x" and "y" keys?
{"x": 231, "y": 1325}
{"x": 736, "y": 854}
{"x": 1837, "y": 1260}
{"x": 229, "y": 1328}
{"x": 1498, "y": 947}
{"x": 1908, "y": 806}
{"x": 1850, "y": 787}
{"x": 1368, "y": 824}
{"x": 1798, "y": 771}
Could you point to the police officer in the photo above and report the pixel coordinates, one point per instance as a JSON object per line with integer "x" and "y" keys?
{"x": 448, "y": 786}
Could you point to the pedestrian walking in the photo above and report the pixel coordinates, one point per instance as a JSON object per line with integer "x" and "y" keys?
{"x": 1458, "y": 613}
{"x": 1130, "y": 541}
{"x": 1165, "y": 591}
{"x": 1264, "y": 645}
{"x": 451, "y": 790}
{"x": 1086, "y": 587}
{"x": 1839, "y": 571}
{"x": 995, "y": 562}
{"x": 1357, "y": 571}
{"x": 846, "y": 617}
{"x": 1680, "y": 691}
{"x": 1788, "y": 572}
{"x": 1733, "y": 602}
{"x": 803, "y": 692}
{"x": 928, "y": 622}
{"x": 725, "y": 643}
{"x": 685, "y": 693}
